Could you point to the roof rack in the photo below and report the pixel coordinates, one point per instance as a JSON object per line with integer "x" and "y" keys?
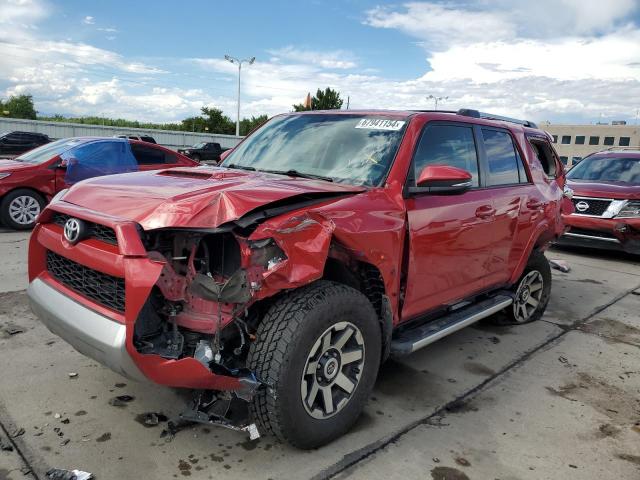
{"x": 468, "y": 112}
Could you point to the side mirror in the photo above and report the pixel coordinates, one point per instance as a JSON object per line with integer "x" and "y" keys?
{"x": 224, "y": 155}
{"x": 443, "y": 179}
{"x": 63, "y": 164}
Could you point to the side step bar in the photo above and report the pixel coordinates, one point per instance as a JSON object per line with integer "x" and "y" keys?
{"x": 410, "y": 340}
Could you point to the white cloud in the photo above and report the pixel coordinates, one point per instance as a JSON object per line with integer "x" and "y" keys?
{"x": 439, "y": 24}
{"x": 545, "y": 60}
{"x": 337, "y": 59}
{"x": 17, "y": 17}
{"x": 89, "y": 20}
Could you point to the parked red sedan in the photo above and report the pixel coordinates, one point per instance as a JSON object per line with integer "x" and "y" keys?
{"x": 29, "y": 181}
{"x": 606, "y": 188}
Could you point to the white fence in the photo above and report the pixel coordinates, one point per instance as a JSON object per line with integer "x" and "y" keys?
{"x": 169, "y": 138}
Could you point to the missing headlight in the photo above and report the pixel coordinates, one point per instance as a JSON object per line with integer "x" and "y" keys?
{"x": 266, "y": 253}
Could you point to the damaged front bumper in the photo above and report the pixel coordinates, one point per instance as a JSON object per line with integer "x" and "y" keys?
{"x": 92, "y": 334}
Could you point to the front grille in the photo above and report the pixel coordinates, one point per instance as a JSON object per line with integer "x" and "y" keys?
{"x": 97, "y": 231}
{"x": 100, "y": 287}
{"x": 595, "y": 207}
{"x": 592, "y": 233}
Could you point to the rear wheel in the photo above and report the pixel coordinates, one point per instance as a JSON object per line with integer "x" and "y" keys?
{"x": 318, "y": 349}
{"x": 532, "y": 292}
{"x": 20, "y": 209}
{"x": 195, "y": 157}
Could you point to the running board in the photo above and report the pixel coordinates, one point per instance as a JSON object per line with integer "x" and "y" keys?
{"x": 410, "y": 340}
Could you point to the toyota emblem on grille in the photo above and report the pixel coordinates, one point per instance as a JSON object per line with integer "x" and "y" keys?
{"x": 74, "y": 230}
{"x": 582, "y": 206}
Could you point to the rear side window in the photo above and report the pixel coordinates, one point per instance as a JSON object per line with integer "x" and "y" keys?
{"x": 148, "y": 155}
{"x": 546, "y": 156}
{"x": 450, "y": 145}
{"x": 505, "y": 166}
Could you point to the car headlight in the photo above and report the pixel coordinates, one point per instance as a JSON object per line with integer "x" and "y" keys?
{"x": 4, "y": 175}
{"x": 630, "y": 209}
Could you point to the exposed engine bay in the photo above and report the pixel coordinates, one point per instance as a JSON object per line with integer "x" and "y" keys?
{"x": 201, "y": 305}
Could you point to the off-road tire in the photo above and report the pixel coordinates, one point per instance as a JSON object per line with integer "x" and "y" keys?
{"x": 537, "y": 262}
{"x": 9, "y": 198}
{"x": 285, "y": 338}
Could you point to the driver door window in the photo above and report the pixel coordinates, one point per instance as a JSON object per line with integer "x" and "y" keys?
{"x": 450, "y": 145}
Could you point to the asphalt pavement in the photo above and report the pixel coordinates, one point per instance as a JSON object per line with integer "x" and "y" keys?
{"x": 559, "y": 398}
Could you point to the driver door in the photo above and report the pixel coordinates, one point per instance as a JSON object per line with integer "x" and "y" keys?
{"x": 450, "y": 236}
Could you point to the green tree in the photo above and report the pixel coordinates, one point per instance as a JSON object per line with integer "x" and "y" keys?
{"x": 217, "y": 121}
{"x": 19, "y": 106}
{"x": 248, "y": 125}
{"x": 328, "y": 99}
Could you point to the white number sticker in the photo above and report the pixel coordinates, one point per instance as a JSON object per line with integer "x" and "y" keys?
{"x": 380, "y": 124}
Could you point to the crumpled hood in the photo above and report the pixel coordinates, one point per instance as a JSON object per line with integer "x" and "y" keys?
{"x": 618, "y": 191}
{"x": 200, "y": 197}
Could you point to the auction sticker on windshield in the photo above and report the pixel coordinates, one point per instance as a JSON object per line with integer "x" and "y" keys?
{"x": 380, "y": 124}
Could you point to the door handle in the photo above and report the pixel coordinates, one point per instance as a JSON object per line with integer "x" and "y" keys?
{"x": 485, "y": 211}
{"x": 534, "y": 205}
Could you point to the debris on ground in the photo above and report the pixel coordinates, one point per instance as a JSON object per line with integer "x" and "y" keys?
{"x": 121, "y": 400}
{"x": 73, "y": 375}
{"x": 17, "y": 432}
{"x": 560, "y": 265}
{"x": 60, "y": 474}
{"x": 5, "y": 447}
{"x": 151, "y": 419}
{"x": 12, "y": 329}
{"x": 562, "y": 359}
{"x": 57, "y": 416}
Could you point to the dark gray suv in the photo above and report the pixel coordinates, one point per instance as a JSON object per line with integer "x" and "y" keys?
{"x": 15, "y": 143}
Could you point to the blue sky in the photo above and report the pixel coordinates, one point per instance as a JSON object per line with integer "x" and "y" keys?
{"x": 557, "y": 60}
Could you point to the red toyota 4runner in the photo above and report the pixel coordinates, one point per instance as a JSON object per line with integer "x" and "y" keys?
{"x": 278, "y": 282}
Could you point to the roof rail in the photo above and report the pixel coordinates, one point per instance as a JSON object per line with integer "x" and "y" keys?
{"x": 468, "y": 112}
{"x": 610, "y": 149}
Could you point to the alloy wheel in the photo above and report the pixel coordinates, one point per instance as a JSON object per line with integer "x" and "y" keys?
{"x": 332, "y": 370}
{"x": 24, "y": 210}
{"x": 528, "y": 296}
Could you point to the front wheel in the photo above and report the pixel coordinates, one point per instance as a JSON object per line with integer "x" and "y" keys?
{"x": 531, "y": 292}
{"x": 318, "y": 350}
{"x": 20, "y": 209}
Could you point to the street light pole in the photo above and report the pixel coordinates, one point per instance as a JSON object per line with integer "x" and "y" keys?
{"x": 239, "y": 62}
{"x": 436, "y": 100}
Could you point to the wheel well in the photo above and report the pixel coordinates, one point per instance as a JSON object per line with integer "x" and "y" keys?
{"x": 362, "y": 276}
{"x": 40, "y": 194}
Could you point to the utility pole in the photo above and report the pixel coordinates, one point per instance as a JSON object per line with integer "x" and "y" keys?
{"x": 239, "y": 62}
{"x": 436, "y": 100}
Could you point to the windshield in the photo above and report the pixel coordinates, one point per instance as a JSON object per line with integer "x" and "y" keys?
{"x": 199, "y": 145}
{"x": 48, "y": 151}
{"x": 607, "y": 169}
{"x": 354, "y": 149}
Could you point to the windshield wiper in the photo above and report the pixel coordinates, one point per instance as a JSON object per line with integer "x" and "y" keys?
{"x": 240, "y": 167}
{"x": 296, "y": 173}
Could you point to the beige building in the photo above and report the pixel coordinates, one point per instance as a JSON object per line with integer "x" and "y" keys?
{"x": 574, "y": 142}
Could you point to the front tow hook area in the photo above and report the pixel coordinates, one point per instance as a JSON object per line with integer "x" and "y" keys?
{"x": 221, "y": 409}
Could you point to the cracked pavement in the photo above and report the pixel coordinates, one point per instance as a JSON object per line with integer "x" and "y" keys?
{"x": 559, "y": 398}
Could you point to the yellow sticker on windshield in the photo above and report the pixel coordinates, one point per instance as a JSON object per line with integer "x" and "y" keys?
{"x": 380, "y": 124}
